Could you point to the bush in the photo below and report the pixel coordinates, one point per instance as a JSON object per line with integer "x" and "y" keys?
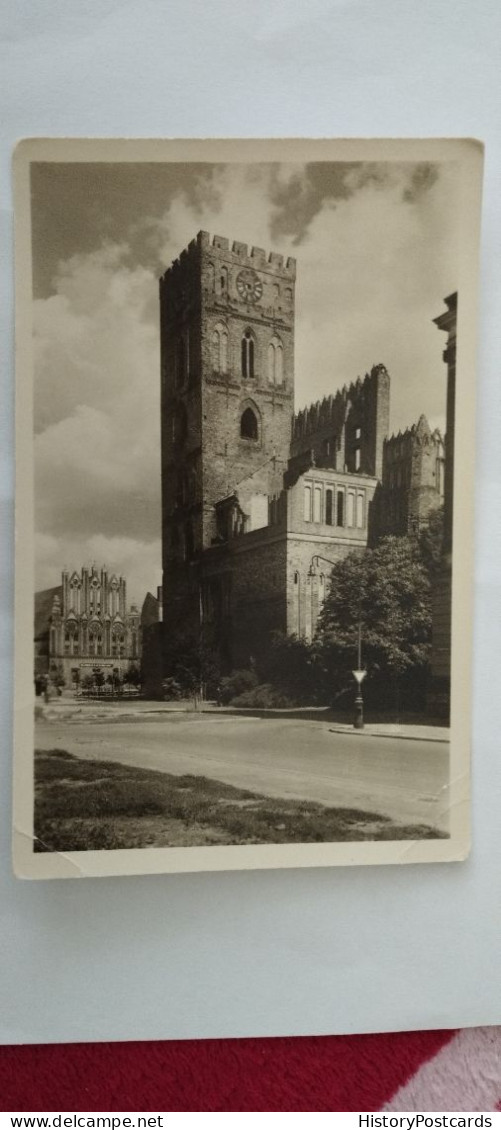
{"x": 262, "y": 697}
{"x": 291, "y": 665}
{"x": 238, "y": 683}
{"x": 171, "y": 689}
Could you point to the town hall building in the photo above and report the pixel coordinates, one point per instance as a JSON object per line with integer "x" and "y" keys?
{"x": 84, "y": 625}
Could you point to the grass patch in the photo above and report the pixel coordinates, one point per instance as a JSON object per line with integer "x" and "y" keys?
{"x": 100, "y": 805}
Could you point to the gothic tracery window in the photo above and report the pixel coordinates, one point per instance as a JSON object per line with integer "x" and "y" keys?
{"x": 275, "y": 361}
{"x": 220, "y": 349}
{"x": 248, "y": 354}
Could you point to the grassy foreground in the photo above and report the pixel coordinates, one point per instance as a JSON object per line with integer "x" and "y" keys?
{"x": 95, "y": 805}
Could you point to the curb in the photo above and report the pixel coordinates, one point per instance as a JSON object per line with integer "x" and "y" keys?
{"x": 385, "y": 734}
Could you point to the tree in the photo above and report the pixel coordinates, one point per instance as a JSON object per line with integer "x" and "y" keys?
{"x": 290, "y": 665}
{"x": 99, "y": 679}
{"x": 132, "y": 675}
{"x": 192, "y": 661}
{"x": 387, "y": 591}
{"x": 430, "y": 541}
{"x": 57, "y": 675}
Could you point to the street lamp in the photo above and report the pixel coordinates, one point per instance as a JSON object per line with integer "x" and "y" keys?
{"x": 359, "y": 675}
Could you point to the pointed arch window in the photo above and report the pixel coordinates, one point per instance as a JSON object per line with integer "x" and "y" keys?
{"x": 249, "y": 425}
{"x": 220, "y": 348}
{"x": 248, "y": 352}
{"x": 223, "y": 281}
{"x": 275, "y": 361}
{"x": 210, "y": 276}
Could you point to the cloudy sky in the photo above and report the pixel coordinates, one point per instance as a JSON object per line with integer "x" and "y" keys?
{"x": 376, "y": 250}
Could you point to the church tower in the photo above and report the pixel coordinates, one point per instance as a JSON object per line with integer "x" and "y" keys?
{"x": 227, "y": 365}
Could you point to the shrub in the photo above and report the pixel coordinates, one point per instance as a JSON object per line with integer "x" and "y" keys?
{"x": 262, "y": 697}
{"x": 238, "y": 683}
{"x": 291, "y": 666}
{"x": 172, "y": 689}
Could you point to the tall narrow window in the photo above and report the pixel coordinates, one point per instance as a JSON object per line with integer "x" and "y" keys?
{"x": 357, "y": 459}
{"x": 210, "y": 276}
{"x": 223, "y": 352}
{"x": 215, "y": 351}
{"x": 248, "y": 425}
{"x": 219, "y": 344}
{"x": 340, "y": 508}
{"x": 317, "y": 504}
{"x": 360, "y": 511}
{"x": 247, "y": 354}
{"x": 350, "y": 509}
{"x": 307, "y": 504}
{"x": 275, "y": 361}
{"x": 328, "y": 507}
{"x": 223, "y": 280}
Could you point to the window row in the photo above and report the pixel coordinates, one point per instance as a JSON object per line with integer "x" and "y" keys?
{"x": 333, "y": 506}
{"x": 274, "y": 355}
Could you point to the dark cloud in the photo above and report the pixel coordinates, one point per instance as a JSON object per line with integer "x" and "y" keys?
{"x": 76, "y": 208}
{"x": 423, "y": 177}
{"x": 296, "y": 202}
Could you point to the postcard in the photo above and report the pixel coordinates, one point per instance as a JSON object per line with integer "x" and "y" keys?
{"x": 245, "y": 472}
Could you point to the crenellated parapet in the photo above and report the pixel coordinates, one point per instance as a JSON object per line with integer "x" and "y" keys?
{"x": 413, "y": 477}
{"x": 231, "y": 251}
{"x": 349, "y": 426}
{"x": 398, "y": 445}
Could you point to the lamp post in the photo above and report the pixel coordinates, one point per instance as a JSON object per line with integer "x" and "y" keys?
{"x": 359, "y": 674}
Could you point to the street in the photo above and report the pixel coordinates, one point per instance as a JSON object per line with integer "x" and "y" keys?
{"x": 402, "y": 778}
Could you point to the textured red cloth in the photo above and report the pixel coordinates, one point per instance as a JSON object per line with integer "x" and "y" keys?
{"x": 318, "y": 1073}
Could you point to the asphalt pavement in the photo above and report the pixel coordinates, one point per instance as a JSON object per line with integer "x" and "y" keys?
{"x": 404, "y": 778}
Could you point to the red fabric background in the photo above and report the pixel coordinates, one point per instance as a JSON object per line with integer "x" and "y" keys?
{"x": 318, "y": 1073}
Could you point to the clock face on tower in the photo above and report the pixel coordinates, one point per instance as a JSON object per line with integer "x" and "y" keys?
{"x": 249, "y": 285}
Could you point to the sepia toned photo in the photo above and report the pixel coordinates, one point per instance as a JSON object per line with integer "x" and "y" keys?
{"x": 245, "y": 461}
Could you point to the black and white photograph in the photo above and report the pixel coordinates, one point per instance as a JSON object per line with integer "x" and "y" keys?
{"x": 244, "y": 516}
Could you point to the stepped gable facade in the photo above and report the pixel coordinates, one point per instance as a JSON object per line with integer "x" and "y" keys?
{"x": 88, "y": 625}
{"x": 257, "y": 503}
